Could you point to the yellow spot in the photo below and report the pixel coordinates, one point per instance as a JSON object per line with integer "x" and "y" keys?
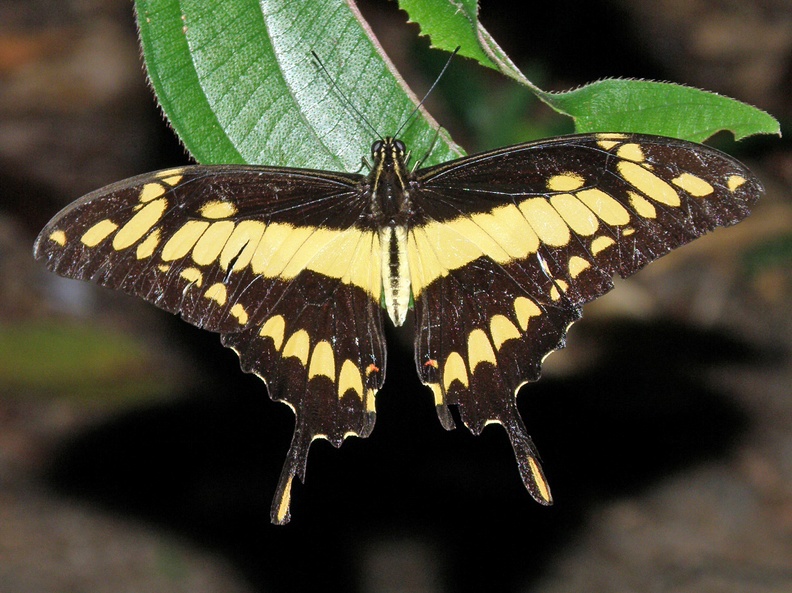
{"x": 58, "y": 237}
{"x": 576, "y": 265}
{"x": 558, "y": 284}
{"x": 218, "y": 209}
{"x": 164, "y": 268}
{"x": 364, "y": 261}
{"x": 211, "y": 243}
{"x": 172, "y": 179}
{"x": 509, "y": 229}
{"x": 346, "y": 255}
{"x": 171, "y": 176}
{"x": 479, "y": 350}
{"x": 464, "y": 240}
{"x": 183, "y": 240}
{"x": 283, "y": 505}
{"x": 541, "y": 484}
{"x": 502, "y": 330}
{"x": 693, "y": 185}
{"x": 349, "y": 378}
{"x": 139, "y": 224}
{"x": 192, "y": 275}
{"x": 627, "y": 231}
{"x": 370, "y": 401}
{"x": 611, "y": 136}
{"x": 98, "y": 233}
{"x": 454, "y": 370}
{"x": 274, "y": 328}
{"x": 525, "y": 308}
{"x": 278, "y": 238}
{"x": 242, "y": 244}
{"x": 296, "y": 241}
{"x": 734, "y": 182}
{"x": 425, "y": 267}
{"x": 631, "y": 152}
{"x": 434, "y": 249}
{"x": 604, "y": 206}
{"x": 217, "y": 292}
{"x": 600, "y": 244}
{"x": 239, "y": 312}
{"x": 322, "y": 361}
{"x": 437, "y": 392}
{"x": 351, "y": 255}
{"x": 151, "y": 191}
{"x": 425, "y": 252}
{"x": 648, "y": 183}
{"x": 149, "y": 244}
{"x": 579, "y": 218}
{"x": 565, "y": 182}
{"x": 546, "y": 222}
{"x": 297, "y": 346}
{"x": 641, "y": 205}
{"x": 607, "y": 144}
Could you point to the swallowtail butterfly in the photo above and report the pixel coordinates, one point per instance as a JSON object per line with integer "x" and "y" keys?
{"x": 495, "y": 253}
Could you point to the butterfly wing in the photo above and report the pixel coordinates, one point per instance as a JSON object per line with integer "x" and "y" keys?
{"x": 510, "y": 244}
{"x": 275, "y": 260}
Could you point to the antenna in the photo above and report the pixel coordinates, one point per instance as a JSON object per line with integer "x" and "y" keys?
{"x": 362, "y": 117}
{"x": 426, "y": 95}
{"x": 341, "y": 94}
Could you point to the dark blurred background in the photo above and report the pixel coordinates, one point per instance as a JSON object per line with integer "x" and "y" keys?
{"x": 135, "y": 455}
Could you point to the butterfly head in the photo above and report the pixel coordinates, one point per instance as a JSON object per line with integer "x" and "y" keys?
{"x": 388, "y": 151}
{"x": 390, "y": 165}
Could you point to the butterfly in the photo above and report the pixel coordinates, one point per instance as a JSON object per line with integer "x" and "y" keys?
{"x": 495, "y": 254}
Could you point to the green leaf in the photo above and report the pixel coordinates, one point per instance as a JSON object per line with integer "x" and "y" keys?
{"x": 238, "y": 82}
{"x": 658, "y": 108}
{"x": 454, "y": 23}
{"x": 449, "y": 25}
{"x": 605, "y": 106}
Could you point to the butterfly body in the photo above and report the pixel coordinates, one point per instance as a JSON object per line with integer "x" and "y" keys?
{"x": 388, "y": 189}
{"x": 497, "y": 252}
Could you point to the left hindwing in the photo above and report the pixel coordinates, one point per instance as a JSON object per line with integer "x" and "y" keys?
{"x": 509, "y": 244}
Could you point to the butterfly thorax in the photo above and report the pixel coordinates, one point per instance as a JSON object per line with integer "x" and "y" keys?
{"x": 390, "y": 212}
{"x": 388, "y": 183}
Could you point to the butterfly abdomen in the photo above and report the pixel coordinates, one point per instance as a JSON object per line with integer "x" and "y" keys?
{"x": 395, "y": 272}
